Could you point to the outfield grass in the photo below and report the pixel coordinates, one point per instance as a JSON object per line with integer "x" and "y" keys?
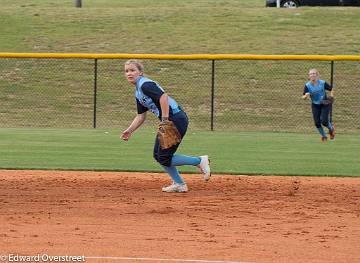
{"x": 54, "y": 93}
{"x": 268, "y": 91}
{"x": 236, "y": 153}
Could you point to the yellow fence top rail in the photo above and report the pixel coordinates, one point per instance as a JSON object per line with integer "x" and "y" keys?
{"x": 181, "y": 56}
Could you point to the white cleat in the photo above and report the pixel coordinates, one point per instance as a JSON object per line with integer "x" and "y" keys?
{"x": 205, "y": 167}
{"x": 175, "y": 188}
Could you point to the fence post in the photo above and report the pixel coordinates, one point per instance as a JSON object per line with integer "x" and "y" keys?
{"x": 332, "y": 73}
{"x": 212, "y": 94}
{"x": 78, "y": 3}
{"x": 95, "y": 92}
{"x": 332, "y": 85}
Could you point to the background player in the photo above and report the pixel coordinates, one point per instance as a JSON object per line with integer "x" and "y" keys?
{"x": 151, "y": 96}
{"x": 315, "y": 89}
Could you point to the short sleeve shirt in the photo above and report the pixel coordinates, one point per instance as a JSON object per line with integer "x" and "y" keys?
{"x": 148, "y": 95}
{"x": 317, "y": 91}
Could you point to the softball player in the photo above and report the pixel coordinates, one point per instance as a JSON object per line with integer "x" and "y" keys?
{"x": 315, "y": 89}
{"x": 150, "y": 96}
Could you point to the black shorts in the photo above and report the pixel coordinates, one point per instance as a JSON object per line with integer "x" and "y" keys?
{"x": 321, "y": 114}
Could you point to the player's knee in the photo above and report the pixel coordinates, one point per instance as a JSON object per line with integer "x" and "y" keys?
{"x": 318, "y": 124}
{"x": 325, "y": 123}
{"x": 164, "y": 160}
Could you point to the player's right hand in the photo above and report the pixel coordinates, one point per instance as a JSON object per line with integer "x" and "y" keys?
{"x": 126, "y": 135}
{"x": 307, "y": 95}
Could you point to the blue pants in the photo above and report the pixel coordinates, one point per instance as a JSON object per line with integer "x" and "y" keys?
{"x": 321, "y": 115}
{"x": 164, "y": 156}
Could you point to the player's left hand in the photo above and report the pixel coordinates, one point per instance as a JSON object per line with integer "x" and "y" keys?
{"x": 168, "y": 134}
{"x": 327, "y": 101}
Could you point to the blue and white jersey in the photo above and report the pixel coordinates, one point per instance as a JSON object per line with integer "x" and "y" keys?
{"x": 148, "y": 93}
{"x": 317, "y": 92}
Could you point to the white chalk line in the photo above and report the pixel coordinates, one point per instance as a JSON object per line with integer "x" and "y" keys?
{"x": 164, "y": 259}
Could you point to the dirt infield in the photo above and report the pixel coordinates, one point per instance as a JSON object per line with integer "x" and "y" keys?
{"x": 230, "y": 218}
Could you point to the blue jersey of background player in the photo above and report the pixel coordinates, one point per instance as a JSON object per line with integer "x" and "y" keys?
{"x": 316, "y": 89}
{"x": 150, "y": 96}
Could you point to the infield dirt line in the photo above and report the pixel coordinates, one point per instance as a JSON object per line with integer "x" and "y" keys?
{"x": 165, "y": 259}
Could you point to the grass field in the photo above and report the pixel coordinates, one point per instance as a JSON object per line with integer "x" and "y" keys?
{"x": 237, "y": 153}
{"x": 268, "y": 91}
{"x": 53, "y": 93}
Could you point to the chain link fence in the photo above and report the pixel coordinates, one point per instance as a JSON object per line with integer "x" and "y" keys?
{"x": 236, "y": 95}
